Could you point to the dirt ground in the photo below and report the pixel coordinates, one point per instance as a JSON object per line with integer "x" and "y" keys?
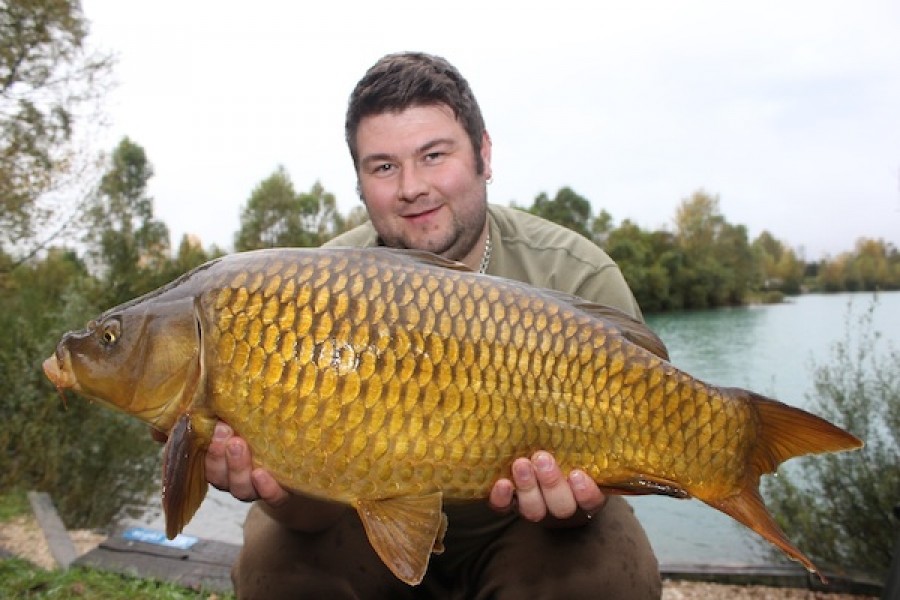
{"x": 23, "y": 537}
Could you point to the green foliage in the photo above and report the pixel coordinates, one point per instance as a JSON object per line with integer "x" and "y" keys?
{"x": 13, "y": 504}
{"x": 48, "y": 83}
{"x": 780, "y": 269}
{"x": 20, "y": 579}
{"x": 89, "y": 459}
{"x": 718, "y": 267}
{"x": 708, "y": 262}
{"x": 129, "y": 245}
{"x": 872, "y": 265}
{"x": 648, "y": 262}
{"x": 277, "y": 216}
{"x": 567, "y": 209}
{"x": 838, "y": 506}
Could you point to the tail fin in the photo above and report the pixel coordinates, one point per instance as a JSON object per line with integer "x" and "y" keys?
{"x": 786, "y": 432}
{"x": 783, "y": 432}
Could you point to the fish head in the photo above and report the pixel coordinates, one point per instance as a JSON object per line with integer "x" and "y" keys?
{"x": 144, "y": 359}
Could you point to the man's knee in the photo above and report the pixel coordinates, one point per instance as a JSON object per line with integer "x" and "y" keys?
{"x": 609, "y": 558}
{"x": 338, "y": 563}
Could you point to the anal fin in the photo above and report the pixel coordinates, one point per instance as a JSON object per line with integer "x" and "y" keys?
{"x": 184, "y": 483}
{"x": 405, "y": 531}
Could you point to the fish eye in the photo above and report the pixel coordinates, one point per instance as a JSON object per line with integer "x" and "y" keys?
{"x": 110, "y": 331}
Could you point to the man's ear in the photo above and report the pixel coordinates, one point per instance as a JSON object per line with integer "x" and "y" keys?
{"x": 487, "y": 171}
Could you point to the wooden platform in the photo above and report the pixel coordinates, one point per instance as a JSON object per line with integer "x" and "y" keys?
{"x": 205, "y": 565}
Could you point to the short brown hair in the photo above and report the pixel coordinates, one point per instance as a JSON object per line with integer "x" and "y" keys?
{"x": 406, "y": 79}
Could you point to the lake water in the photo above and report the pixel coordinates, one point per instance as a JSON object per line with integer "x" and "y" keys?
{"x": 769, "y": 349}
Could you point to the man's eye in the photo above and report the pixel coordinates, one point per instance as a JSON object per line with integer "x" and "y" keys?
{"x": 433, "y": 156}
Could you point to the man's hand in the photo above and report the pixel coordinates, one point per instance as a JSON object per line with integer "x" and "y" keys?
{"x": 229, "y": 467}
{"x": 538, "y": 489}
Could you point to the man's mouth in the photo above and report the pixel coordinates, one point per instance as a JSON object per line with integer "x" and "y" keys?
{"x": 421, "y": 214}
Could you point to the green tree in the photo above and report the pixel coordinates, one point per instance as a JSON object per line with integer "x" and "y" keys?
{"x": 566, "y": 208}
{"x": 601, "y": 227}
{"x": 320, "y": 218}
{"x": 277, "y": 216}
{"x": 645, "y": 259}
{"x": 128, "y": 243}
{"x": 49, "y": 85}
{"x": 872, "y": 265}
{"x": 190, "y": 254}
{"x": 736, "y": 258}
{"x": 719, "y": 267}
{"x": 779, "y": 267}
{"x": 839, "y": 505}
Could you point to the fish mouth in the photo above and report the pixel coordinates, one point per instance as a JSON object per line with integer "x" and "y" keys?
{"x": 58, "y": 369}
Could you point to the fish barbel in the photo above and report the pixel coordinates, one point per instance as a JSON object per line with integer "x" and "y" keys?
{"x": 394, "y": 381}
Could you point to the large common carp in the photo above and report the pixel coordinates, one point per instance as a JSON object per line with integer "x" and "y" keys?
{"x": 396, "y": 380}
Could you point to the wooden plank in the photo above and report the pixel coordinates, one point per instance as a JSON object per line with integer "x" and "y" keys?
{"x": 206, "y": 565}
{"x": 61, "y": 547}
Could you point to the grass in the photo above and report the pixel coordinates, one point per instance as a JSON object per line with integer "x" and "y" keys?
{"x": 21, "y": 579}
{"x": 13, "y": 504}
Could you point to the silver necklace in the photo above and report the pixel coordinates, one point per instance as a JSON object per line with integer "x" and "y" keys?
{"x": 486, "y": 259}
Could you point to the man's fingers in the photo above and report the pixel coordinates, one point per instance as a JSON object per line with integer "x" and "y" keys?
{"x": 237, "y": 455}
{"x": 528, "y": 493}
{"x": 554, "y": 487}
{"x": 215, "y": 462}
{"x": 502, "y": 495}
{"x": 588, "y": 495}
{"x": 268, "y": 489}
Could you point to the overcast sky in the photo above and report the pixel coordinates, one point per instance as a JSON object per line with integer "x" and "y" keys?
{"x": 789, "y": 111}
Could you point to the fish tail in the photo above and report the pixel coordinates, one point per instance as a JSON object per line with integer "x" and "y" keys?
{"x": 786, "y": 432}
{"x": 783, "y": 432}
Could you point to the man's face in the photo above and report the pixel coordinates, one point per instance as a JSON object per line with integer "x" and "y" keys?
{"x": 418, "y": 180}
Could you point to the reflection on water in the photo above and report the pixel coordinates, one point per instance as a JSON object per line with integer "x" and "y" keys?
{"x": 769, "y": 349}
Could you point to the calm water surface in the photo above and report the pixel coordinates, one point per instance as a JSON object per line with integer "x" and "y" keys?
{"x": 769, "y": 349}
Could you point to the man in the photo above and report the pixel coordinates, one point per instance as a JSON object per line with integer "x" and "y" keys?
{"x": 423, "y": 162}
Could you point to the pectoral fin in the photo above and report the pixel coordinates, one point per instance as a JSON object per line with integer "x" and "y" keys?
{"x": 404, "y": 532}
{"x": 184, "y": 474}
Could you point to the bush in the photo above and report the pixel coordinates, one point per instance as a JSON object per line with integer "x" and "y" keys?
{"x": 90, "y": 460}
{"x": 839, "y": 506}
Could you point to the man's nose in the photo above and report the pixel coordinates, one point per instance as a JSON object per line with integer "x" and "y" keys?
{"x": 412, "y": 183}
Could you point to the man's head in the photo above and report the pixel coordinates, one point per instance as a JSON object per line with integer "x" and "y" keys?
{"x": 409, "y": 79}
